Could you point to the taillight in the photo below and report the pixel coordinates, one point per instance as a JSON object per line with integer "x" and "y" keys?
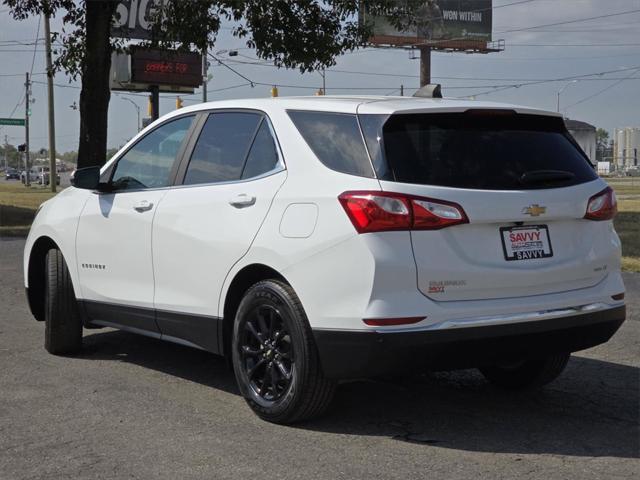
{"x": 384, "y": 211}
{"x": 602, "y": 206}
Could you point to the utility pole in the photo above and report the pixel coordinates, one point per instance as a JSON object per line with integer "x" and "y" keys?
{"x": 6, "y": 147}
{"x": 425, "y": 66}
{"x": 27, "y": 103}
{"x": 205, "y": 69}
{"x": 53, "y": 174}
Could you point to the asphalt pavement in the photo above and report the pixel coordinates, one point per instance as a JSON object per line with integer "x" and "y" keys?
{"x": 64, "y": 180}
{"x": 138, "y": 408}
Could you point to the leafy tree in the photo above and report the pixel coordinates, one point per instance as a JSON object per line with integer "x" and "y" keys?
{"x": 12, "y": 155}
{"x": 602, "y": 137}
{"x": 602, "y": 143}
{"x": 302, "y": 34}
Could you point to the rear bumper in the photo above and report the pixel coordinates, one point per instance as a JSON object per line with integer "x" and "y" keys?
{"x": 355, "y": 354}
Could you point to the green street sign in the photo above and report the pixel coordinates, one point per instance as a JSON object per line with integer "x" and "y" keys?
{"x": 16, "y": 122}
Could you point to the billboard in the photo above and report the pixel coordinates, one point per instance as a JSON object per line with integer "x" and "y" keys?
{"x": 431, "y": 22}
{"x": 132, "y": 19}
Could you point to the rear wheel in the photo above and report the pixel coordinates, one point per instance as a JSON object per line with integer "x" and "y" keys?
{"x": 63, "y": 325}
{"x": 527, "y": 373}
{"x": 275, "y": 359}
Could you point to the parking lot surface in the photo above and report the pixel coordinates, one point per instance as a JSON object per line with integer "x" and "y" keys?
{"x": 137, "y": 408}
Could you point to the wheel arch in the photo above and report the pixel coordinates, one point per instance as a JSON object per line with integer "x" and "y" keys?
{"x": 242, "y": 281}
{"x": 36, "y": 275}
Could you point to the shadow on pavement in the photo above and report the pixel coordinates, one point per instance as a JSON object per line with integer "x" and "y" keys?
{"x": 591, "y": 410}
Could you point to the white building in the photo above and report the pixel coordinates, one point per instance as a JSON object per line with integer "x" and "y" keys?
{"x": 626, "y": 147}
{"x": 585, "y": 135}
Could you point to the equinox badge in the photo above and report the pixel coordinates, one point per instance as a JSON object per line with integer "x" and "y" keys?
{"x": 534, "y": 210}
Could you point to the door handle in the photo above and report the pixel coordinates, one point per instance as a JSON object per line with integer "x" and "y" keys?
{"x": 242, "y": 201}
{"x": 143, "y": 206}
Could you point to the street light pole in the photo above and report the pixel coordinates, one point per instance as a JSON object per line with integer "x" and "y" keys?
{"x": 562, "y": 90}
{"x": 137, "y": 110}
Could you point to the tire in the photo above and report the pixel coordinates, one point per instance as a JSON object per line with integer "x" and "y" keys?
{"x": 63, "y": 324}
{"x": 272, "y": 336}
{"x": 528, "y": 374}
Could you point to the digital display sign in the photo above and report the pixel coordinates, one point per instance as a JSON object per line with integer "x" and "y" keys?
{"x": 161, "y": 67}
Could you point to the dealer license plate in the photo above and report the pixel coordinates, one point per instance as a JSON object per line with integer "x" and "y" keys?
{"x": 526, "y": 243}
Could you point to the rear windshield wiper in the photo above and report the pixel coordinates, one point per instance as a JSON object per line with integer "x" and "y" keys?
{"x": 546, "y": 176}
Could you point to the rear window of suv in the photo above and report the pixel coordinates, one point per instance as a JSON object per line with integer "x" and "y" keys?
{"x": 335, "y": 139}
{"x": 475, "y": 149}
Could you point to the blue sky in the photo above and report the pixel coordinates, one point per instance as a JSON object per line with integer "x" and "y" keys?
{"x": 608, "y": 101}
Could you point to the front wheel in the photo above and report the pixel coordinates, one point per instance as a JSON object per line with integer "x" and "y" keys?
{"x": 63, "y": 325}
{"x": 527, "y": 373}
{"x": 275, "y": 359}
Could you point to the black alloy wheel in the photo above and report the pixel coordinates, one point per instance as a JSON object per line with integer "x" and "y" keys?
{"x": 266, "y": 353}
{"x": 275, "y": 358}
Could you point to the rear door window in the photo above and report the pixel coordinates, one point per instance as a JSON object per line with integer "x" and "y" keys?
{"x": 335, "y": 139}
{"x": 476, "y": 150}
{"x": 263, "y": 156}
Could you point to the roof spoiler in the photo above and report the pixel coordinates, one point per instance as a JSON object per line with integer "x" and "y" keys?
{"x": 432, "y": 90}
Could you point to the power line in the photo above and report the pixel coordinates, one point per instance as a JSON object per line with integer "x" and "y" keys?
{"x": 603, "y": 90}
{"x": 499, "y": 88}
{"x": 233, "y": 70}
{"x": 400, "y": 75}
{"x": 19, "y": 74}
{"x": 33, "y": 60}
{"x": 570, "y": 21}
{"x": 573, "y": 45}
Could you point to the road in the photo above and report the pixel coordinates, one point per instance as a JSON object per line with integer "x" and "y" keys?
{"x": 137, "y": 408}
{"x": 64, "y": 180}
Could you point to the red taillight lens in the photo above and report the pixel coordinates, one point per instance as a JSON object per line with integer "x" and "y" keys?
{"x": 384, "y": 211}
{"x": 432, "y": 215}
{"x": 376, "y": 211}
{"x": 390, "y": 322}
{"x": 602, "y": 206}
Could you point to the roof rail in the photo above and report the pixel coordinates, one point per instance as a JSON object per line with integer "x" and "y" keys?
{"x": 431, "y": 90}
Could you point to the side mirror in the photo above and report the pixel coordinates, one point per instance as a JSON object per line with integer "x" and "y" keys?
{"x": 87, "y": 178}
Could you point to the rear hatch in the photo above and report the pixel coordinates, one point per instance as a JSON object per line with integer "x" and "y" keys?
{"x": 521, "y": 185}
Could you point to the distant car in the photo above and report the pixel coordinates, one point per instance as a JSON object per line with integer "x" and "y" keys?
{"x": 316, "y": 239}
{"x": 41, "y": 175}
{"x": 12, "y": 174}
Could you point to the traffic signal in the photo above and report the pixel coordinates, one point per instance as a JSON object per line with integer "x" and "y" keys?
{"x": 22, "y": 148}
{"x": 178, "y": 102}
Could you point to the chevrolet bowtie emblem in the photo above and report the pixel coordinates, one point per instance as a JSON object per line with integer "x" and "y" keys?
{"x": 534, "y": 210}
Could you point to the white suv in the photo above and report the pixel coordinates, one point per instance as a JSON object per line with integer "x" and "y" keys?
{"x": 310, "y": 240}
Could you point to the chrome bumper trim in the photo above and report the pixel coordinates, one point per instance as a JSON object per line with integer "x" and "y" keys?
{"x": 507, "y": 318}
